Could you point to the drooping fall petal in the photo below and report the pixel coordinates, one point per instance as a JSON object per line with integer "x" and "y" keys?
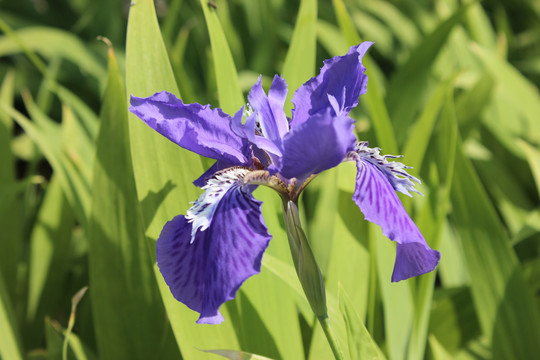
{"x": 380, "y": 204}
{"x": 206, "y": 270}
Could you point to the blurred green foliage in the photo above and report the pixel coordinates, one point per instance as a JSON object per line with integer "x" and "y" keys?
{"x": 85, "y": 187}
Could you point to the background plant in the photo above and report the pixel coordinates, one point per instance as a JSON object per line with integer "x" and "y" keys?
{"x": 85, "y": 188}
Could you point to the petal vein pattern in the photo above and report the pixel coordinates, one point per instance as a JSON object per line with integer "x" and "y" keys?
{"x": 194, "y": 127}
{"x": 339, "y": 84}
{"x": 205, "y": 273}
{"x": 203, "y": 210}
{"x": 380, "y": 204}
{"x": 394, "y": 171}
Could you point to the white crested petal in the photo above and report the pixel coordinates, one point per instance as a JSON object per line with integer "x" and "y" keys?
{"x": 202, "y": 211}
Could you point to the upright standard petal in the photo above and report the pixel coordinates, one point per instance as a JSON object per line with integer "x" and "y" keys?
{"x": 251, "y": 133}
{"x": 318, "y": 144}
{"x": 339, "y": 84}
{"x": 380, "y": 204}
{"x": 194, "y": 127}
{"x": 206, "y": 272}
{"x": 269, "y": 109}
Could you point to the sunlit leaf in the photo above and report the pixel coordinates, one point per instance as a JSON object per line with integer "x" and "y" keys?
{"x": 164, "y": 172}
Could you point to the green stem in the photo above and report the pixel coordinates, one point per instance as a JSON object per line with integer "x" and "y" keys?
{"x": 309, "y": 273}
{"x": 329, "y": 333}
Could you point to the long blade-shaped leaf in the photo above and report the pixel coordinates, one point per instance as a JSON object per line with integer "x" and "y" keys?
{"x": 409, "y": 84}
{"x": 230, "y": 95}
{"x": 10, "y": 346}
{"x": 128, "y": 313}
{"x": 47, "y": 135}
{"x": 10, "y": 207}
{"x": 507, "y": 312}
{"x": 163, "y": 171}
{"x": 300, "y": 60}
{"x": 48, "y": 260}
{"x": 433, "y": 220}
{"x": 361, "y": 344}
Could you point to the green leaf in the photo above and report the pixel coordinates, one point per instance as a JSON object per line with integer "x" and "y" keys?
{"x": 48, "y": 136}
{"x": 128, "y": 315}
{"x": 420, "y": 135}
{"x": 397, "y": 300}
{"x": 10, "y": 345}
{"x": 7, "y": 171}
{"x": 230, "y": 95}
{"x": 319, "y": 346}
{"x": 401, "y": 25}
{"x": 321, "y": 207}
{"x": 431, "y": 220}
{"x": 11, "y": 210}
{"x": 506, "y": 310}
{"x": 533, "y": 157}
{"x": 345, "y": 23}
{"x": 479, "y": 26}
{"x": 437, "y": 350}
{"x": 361, "y": 344}
{"x": 331, "y": 38}
{"x": 55, "y": 337}
{"x": 51, "y": 42}
{"x": 164, "y": 172}
{"x": 520, "y": 95}
{"x": 454, "y": 321}
{"x": 409, "y": 83}
{"x": 471, "y": 104}
{"x": 299, "y": 63}
{"x": 48, "y": 260}
{"x": 77, "y": 145}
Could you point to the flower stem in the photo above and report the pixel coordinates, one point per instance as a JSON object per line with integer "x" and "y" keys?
{"x": 329, "y": 333}
{"x": 309, "y": 273}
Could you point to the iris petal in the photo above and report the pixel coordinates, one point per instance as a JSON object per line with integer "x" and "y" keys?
{"x": 207, "y": 272}
{"x": 247, "y": 131}
{"x": 380, "y": 204}
{"x": 318, "y": 144}
{"x": 269, "y": 109}
{"x": 341, "y": 79}
{"x": 194, "y": 127}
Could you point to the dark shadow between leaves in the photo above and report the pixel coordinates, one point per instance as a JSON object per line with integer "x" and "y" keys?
{"x": 153, "y": 200}
{"x": 247, "y": 319}
{"x": 353, "y": 218}
{"x": 516, "y": 326}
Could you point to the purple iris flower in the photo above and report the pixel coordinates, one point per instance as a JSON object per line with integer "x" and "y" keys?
{"x": 206, "y": 255}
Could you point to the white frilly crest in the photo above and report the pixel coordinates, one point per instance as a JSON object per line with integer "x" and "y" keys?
{"x": 202, "y": 211}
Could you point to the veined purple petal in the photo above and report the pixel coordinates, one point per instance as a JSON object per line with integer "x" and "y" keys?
{"x": 393, "y": 170}
{"x": 380, "y": 204}
{"x": 269, "y": 109}
{"x": 207, "y": 272}
{"x": 340, "y": 83}
{"x": 217, "y": 186}
{"x": 318, "y": 144}
{"x": 194, "y": 127}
